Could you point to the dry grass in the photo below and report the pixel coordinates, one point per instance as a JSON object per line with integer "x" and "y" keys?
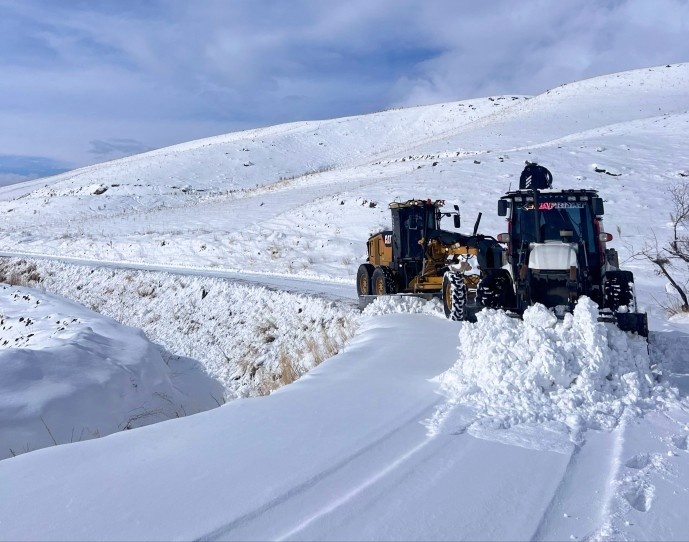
{"x": 288, "y": 372}
{"x": 267, "y": 383}
{"x": 19, "y": 273}
{"x": 322, "y": 347}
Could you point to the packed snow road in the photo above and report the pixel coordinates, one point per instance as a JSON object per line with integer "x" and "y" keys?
{"x": 346, "y": 453}
{"x": 342, "y": 291}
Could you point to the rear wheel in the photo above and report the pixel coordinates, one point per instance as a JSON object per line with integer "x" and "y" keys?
{"x": 383, "y": 281}
{"x": 454, "y": 296}
{"x": 618, "y": 290}
{"x": 495, "y": 290}
{"x": 363, "y": 279}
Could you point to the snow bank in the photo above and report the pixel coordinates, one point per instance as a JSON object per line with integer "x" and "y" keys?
{"x": 250, "y": 339}
{"x": 406, "y": 304}
{"x": 581, "y": 373}
{"x": 68, "y": 374}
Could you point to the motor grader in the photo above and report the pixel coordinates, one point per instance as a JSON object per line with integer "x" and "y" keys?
{"x": 418, "y": 258}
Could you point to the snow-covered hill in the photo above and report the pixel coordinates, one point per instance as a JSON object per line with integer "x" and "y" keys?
{"x": 369, "y": 445}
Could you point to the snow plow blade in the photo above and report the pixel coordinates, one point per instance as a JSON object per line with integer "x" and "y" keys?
{"x": 632, "y": 322}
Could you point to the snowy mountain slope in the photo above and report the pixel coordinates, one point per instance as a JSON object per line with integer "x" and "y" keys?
{"x": 255, "y": 158}
{"x": 577, "y": 107}
{"x": 198, "y": 205}
{"x": 372, "y": 444}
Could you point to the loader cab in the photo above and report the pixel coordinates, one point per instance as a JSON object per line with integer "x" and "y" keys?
{"x": 571, "y": 216}
{"x": 552, "y": 233}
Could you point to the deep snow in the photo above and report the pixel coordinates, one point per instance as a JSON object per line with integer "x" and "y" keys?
{"x": 344, "y": 453}
{"x": 419, "y": 428}
{"x": 68, "y": 374}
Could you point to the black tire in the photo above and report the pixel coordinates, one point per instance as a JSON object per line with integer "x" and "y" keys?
{"x": 363, "y": 279}
{"x": 383, "y": 281}
{"x": 618, "y": 290}
{"x": 454, "y": 296}
{"x": 495, "y": 291}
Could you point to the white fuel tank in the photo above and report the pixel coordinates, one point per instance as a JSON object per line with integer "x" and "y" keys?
{"x": 553, "y": 256}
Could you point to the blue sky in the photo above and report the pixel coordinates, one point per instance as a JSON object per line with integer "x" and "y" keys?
{"x": 85, "y": 81}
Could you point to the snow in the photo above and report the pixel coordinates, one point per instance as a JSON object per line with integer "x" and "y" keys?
{"x": 68, "y": 374}
{"x": 236, "y": 256}
{"x": 579, "y": 375}
{"x": 219, "y": 341}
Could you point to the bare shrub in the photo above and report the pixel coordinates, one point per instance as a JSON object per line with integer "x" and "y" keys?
{"x": 671, "y": 258}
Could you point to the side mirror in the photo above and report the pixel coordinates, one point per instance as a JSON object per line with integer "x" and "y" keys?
{"x": 503, "y": 237}
{"x": 598, "y": 209}
{"x": 502, "y": 207}
{"x": 458, "y": 221}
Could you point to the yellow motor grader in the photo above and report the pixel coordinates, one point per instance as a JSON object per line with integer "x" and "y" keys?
{"x": 417, "y": 257}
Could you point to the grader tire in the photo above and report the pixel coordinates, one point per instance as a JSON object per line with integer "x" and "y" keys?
{"x": 383, "y": 281}
{"x": 363, "y": 279}
{"x": 454, "y": 296}
{"x": 495, "y": 290}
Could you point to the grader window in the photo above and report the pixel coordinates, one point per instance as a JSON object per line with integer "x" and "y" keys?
{"x": 414, "y": 222}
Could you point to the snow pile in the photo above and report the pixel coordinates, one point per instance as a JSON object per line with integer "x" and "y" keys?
{"x": 581, "y": 373}
{"x": 68, "y": 374}
{"x": 406, "y": 304}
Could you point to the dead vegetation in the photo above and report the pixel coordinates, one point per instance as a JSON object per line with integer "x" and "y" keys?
{"x": 671, "y": 258}
{"x": 19, "y": 273}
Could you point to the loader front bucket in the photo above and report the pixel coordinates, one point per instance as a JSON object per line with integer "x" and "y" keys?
{"x": 635, "y": 322}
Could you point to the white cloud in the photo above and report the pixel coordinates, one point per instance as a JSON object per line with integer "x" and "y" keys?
{"x": 162, "y": 72}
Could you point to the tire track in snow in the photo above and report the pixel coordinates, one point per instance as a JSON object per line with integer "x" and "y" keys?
{"x": 568, "y": 515}
{"x": 340, "y": 501}
{"x": 242, "y": 528}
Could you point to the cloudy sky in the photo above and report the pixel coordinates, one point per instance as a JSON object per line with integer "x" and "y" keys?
{"x": 83, "y": 81}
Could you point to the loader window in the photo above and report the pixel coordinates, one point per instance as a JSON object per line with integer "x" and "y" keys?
{"x": 554, "y": 218}
{"x": 578, "y": 220}
{"x": 524, "y": 225}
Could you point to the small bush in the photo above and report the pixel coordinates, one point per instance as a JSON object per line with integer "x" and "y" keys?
{"x": 146, "y": 290}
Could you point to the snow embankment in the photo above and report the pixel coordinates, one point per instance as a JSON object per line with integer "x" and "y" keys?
{"x": 250, "y": 339}
{"x": 575, "y": 375}
{"x": 69, "y": 374}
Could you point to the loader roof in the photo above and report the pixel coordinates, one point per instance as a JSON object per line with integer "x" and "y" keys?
{"x": 550, "y": 192}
